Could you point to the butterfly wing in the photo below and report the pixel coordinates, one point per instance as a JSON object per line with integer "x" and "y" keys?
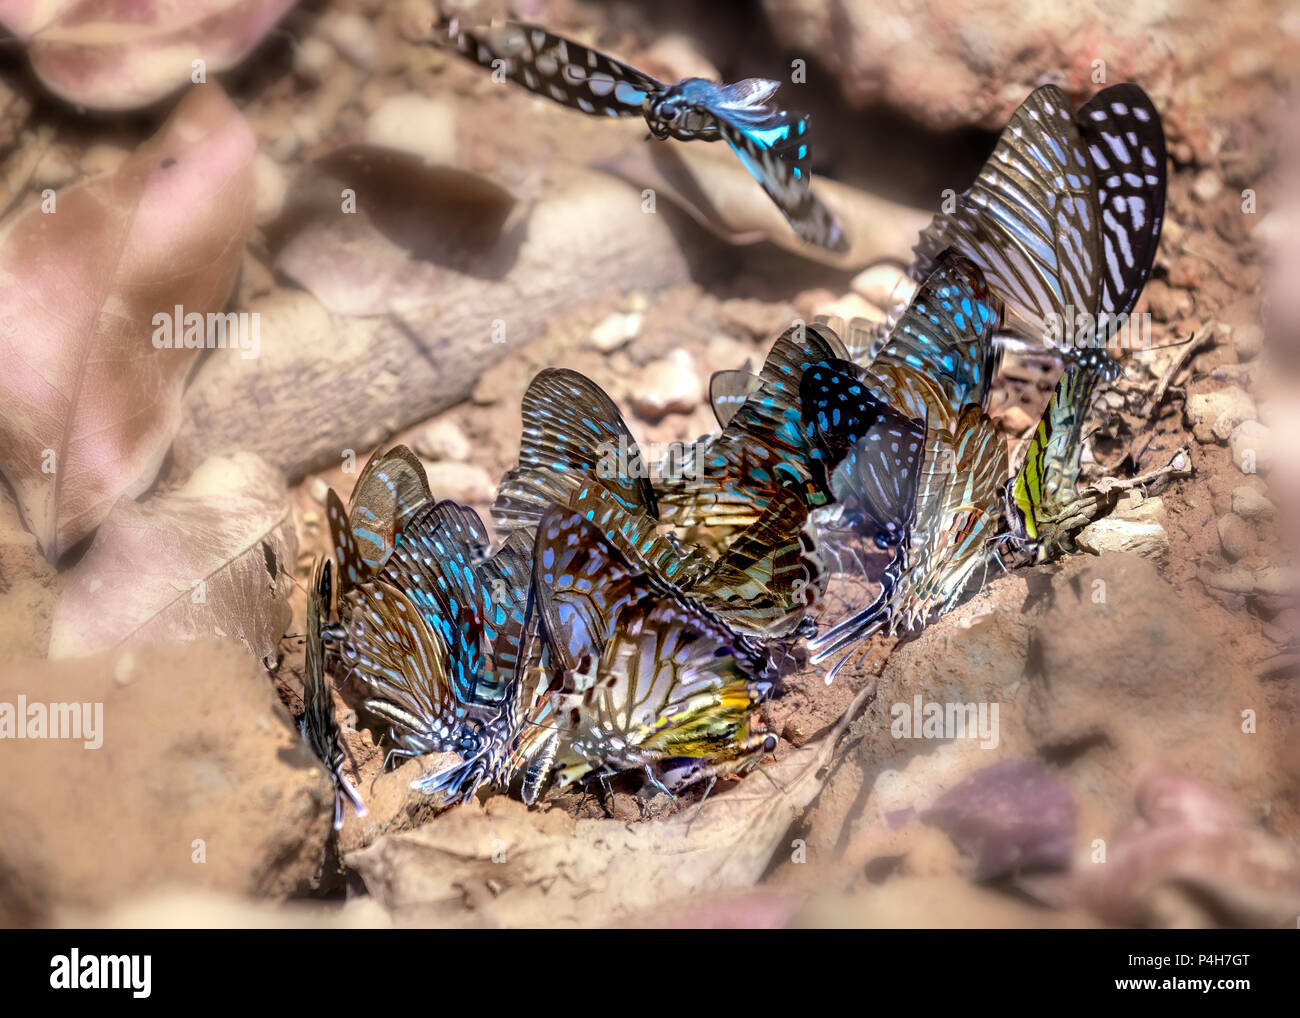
{"x": 573, "y": 435}
{"x": 1126, "y": 145}
{"x": 770, "y": 576}
{"x": 728, "y": 390}
{"x": 549, "y": 65}
{"x": 946, "y": 335}
{"x": 391, "y": 487}
{"x": 319, "y": 724}
{"x": 1030, "y": 219}
{"x": 1050, "y": 469}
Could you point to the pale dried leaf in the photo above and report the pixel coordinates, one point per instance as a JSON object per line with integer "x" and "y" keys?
{"x": 720, "y": 195}
{"x": 213, "y": 558}
{"x": 88, "y": 406}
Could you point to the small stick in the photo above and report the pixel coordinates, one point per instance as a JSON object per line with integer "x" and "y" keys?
{"x": 1189, "y": 351}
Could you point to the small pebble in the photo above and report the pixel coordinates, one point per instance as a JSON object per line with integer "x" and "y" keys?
{"x": 1235, "y": 537}
{"x": 1250, "y": 504}
{"x": 318, "y": 490}
{"x": 1248, "y": 341}
{"x": 668, "y": 386}
{"x": 1250, "y": 447}
{"x": 443, "y": 440}
{"x": 615, "y": 330}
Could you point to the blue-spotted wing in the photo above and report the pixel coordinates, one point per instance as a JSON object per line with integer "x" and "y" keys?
{"x": 573, "y": 436}
{"x": 435, "y": 637}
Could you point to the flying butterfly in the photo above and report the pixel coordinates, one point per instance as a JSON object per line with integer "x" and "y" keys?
{"x": 318, "y": 724}
{"x": 648, "y": 678}
{"x": 1064, "y": 218}
{"x": 771, "y": 143}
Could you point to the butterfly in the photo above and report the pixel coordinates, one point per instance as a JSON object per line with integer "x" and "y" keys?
{"x": 576, "y": 450}
{"x": 771, "y": 143}
{"x": 435, "y": 637}
{"x": 937, "y": 358}
{"x": 318, "y": 724}
{"x": 956, "y": 519}
{"x": 390, "y": 489}
{"x": 1064, "y": 219}
{"x": 1049, "y": 473}
{"x": 775, "y": 439}
{"x": 647, "y": 678}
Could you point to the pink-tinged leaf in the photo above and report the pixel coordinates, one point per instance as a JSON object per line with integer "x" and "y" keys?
{"x": 88, "y": 405}
{"x": 210, "y": 559}
{"x": 120, "y": 54}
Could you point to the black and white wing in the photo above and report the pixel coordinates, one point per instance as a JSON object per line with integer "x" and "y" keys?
{"x": 559, "y": 69}
{"x": 1126, "y": 144}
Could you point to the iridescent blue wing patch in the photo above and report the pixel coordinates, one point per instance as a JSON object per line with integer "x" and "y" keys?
{"x": 573, "y": 435}
{"x": 946, "y": 333}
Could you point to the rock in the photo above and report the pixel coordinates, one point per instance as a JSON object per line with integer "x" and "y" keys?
{"x": 1235, "y": 537}
{"x": 312, "y": 59}
{"x": 616, "y": 329}
{"x": 674, "y": 57}
{"x": 668, "y": 386}
{"x": 318, "y": 490}
{"x": 190, "y": 774}
{"x": 948, "y": 70}
{"x": 270, "y": 184}
{"x": 1012, "y": 815}
{"x": 1015, "y": 420}
{"x": 755, "y": 319}
{"x": 353, "y": 36}
{"x": 464, "y": 482}
{"x": 442, "y": 440}
{"x": 1146, "y": 538}
{"x": 1208, "y": 185}
{"x": 1138, "y": 508}
{"x": 103, "y": 158}
{"x": 884, "y": 285}
{"x": 1248, "y": 341}
{"x": 414, "y": 123}
{"x": 1212, "y": 416}
{"x": 1194, "y": 859}
{"x": 1251, "y": 504}
{"x": 1250, "y": 445}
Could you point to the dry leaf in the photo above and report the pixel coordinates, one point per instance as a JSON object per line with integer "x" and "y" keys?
{"x": 517, "y": 867}
{"x": 720, "y": 195}
{"x": 407, "y": 227}
{"x": 120, "y": 56}
{"x": 213, "y": 558}
{"x": 88, "y": 406}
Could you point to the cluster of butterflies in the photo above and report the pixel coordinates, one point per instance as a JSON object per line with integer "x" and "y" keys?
{"x": 634, "y": 615}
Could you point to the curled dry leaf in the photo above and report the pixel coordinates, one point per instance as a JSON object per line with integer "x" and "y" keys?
{"x": 120, "y": 56}
{"x": 517, "y": 867}
{"x": 213, "y": 558}
{"x": 720, "y": 195}
{"x": 371, "y": 230}
{"x": 88, "y": 406}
